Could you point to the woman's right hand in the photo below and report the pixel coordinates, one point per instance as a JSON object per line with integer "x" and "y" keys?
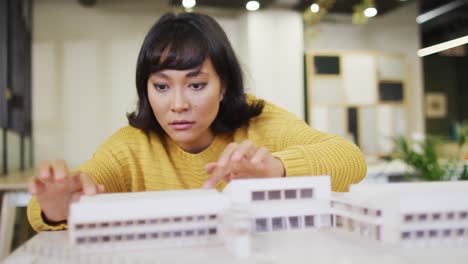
{"x": 56, "y": 187}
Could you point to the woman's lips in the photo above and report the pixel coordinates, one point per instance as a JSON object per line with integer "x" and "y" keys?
{"x": 181, "y": 125}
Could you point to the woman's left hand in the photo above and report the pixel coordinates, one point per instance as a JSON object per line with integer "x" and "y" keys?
{"x": 243, "y": 160}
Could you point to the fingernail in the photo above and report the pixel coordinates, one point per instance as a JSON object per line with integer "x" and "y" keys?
{"x": 206, "y": 185}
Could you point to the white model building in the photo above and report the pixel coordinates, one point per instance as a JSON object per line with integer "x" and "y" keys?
{"x": 405, "y": 213}
{"x": 283, "y": 203}
{"x": 168, "y": 218}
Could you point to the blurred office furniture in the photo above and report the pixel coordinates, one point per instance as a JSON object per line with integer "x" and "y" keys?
{"x": 358, "y": 95}
{"x": 15, "y": 76}
{"x": 13, "y": 187}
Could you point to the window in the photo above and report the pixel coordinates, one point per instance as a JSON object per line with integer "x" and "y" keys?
{"x": 422, "y": 217}
{"x": 339, "y": 221}
{"x": 129, "y": 236}
{"x": 166, "y": 234}
{"x": 165, "y": 220}
{"x": 141, "y": 222}
{"x": 128, "y": 222}
{"x": 212, "y": 231}
{"x": 261, "y": 225}
{"x": 189, "y": 218}
{"x": 306, "y": 193}
{"x": 258, "y": 196}
{"x": 290, "y": 194}
{"x": 432, "y": 233}
{"x": 365, "y": 211}
{"x": 142, "y": 236}
{"x": 118, "y": 237}
{"x": 419, "y": 234}
{"x": 309, "y": 220}
{"x": 81, "y": 240}
{"x": 200, "y": 217}
{"x": 177, "y": 233}
{"x": 436, "y": 216}
{"x": 117, "y": 224}
{"x": 379, "y": 213}
{"x": 463, "y": 215}
{"x": 79, "y": 226}
{"x": 277, "y": 223}
{"x": 294, "y": 222}
{"x": 189, "y": 233}
{"x": 92, "y": 225}
{"x": 154, "y": 235}
{"x": 408, "y": 218}
{"x": 153, "y": 221}
{"x": 405, "y": 235}
{"x": 201, "y": 232}
{"x": 460, "y": 231}
{"x": 274, "y": 195}
{"x": 212, "y": 216}
{"x": 446, "y": 232}
{"x": 450, "y": 216}
{"x": 93, "y": 239}
{"x": 177, "y": 219}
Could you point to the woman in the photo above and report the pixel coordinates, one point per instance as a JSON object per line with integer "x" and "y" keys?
{"x": 194, "y": 127}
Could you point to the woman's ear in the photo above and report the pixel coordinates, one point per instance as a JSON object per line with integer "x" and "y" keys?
{"x": 221, "y": 95}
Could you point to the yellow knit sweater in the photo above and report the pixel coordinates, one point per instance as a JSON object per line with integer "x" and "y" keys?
{"x": 131, "y": 161}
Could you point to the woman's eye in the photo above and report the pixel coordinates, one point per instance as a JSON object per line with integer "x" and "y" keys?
{"x": 198, "y": 86}
{"x": 160, "y": 87}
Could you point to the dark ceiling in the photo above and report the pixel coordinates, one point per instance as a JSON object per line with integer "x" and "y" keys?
{"x": 340, "y": 6}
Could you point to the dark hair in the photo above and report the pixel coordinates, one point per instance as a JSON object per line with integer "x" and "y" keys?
{"x": 184, "y": 41}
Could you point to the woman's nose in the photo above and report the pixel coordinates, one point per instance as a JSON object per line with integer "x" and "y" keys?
{"x": 179, "y": 101}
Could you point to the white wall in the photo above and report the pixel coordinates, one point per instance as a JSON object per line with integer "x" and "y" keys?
{"x": 84, "y": 65}
{"x": 275, "y": 57}
{"x": 396, "y": 32}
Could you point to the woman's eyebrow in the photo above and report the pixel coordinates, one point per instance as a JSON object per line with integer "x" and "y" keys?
{"x": 162, "y": 75}
{"x": 195, "y": 73}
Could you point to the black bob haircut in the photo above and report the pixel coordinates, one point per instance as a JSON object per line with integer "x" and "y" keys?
{"x": 184, "y": 41}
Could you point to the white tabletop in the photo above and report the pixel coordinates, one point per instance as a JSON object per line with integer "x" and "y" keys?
{"x": 312, "y": 246}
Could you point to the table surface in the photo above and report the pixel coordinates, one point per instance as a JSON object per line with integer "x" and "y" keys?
{"x": 319, "y": 246}
{"x": 16, "y": 180}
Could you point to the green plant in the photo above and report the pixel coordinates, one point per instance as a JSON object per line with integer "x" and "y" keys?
{"x": 422, "y": 157}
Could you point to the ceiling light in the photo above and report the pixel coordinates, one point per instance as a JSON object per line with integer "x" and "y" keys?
{"x": 315, "y": 8}
{"x": 370, "y": 12}
{"x": 252, "y": 5}
{"x": 189, "y": 3}
{"x": 443, "y": 46}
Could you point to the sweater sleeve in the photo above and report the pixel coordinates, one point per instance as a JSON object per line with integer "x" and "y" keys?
{"x": 107, "y": 167}
{"x": 305, "y": 151}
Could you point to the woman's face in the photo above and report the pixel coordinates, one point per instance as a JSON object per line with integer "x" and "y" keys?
{"x": 185, "y": 103}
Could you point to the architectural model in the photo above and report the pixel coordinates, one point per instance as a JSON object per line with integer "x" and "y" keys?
{"x": 407, "y": 213}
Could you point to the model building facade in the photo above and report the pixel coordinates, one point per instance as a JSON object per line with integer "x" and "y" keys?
{"x": 410, "y": 214}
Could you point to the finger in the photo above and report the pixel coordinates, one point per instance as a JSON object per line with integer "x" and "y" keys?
{"x": 45, "y": 171}
{"x": 101, "y": 188}
{"x": 226, "y": 155}
{"x": 74, "y": 182}
{"x": 36, "y": 186}
{"x": 260, "y": 156}
{"x": 60, "y": 169}
{"x": 217, "y": 175}
{"x": 210, "y": 167}
{"x": 89, "y": 188}
{"x": 245, "y": 149}
{"x": 75, "y": 197}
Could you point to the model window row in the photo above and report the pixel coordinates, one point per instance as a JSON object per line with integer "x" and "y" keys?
{"x": 435, "y": 216}
{"x": 288, "y": 194}
{"x": 290, "y": 222}
{"x": 152, "y": 221}
{"x": 434, "y": 233}
{"x": 357, "y": 209}
{"x": 363, "y": 228}
{"x": 200, "y": 232}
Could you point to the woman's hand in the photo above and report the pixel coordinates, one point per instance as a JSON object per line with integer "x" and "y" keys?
{"x": 243, "y": 160}
{"x": 56, "y": 187}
